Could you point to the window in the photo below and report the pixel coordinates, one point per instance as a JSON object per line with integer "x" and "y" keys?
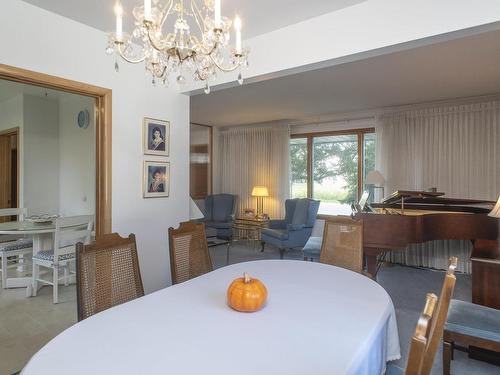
{"x": 331, "y": 168}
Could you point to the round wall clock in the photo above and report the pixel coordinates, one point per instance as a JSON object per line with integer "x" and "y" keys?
{"x": 83, "y": 119}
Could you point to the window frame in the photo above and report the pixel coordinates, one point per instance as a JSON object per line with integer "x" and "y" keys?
{"x": 360, "y": 133}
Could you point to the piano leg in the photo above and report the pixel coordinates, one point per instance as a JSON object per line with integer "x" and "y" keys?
{"x": 372, "y": 260}
{"x": 371, "y": 264}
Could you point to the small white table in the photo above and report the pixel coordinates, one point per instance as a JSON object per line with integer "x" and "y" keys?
{"x": 319, "y": 320}
{"x": 43, "y": 238}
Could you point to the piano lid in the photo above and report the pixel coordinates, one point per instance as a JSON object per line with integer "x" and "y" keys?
{"x": 398, "y": 195}
{"x": 433, "y": 201}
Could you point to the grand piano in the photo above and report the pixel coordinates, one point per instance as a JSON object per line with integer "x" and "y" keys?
{"x": 410, "y": 217}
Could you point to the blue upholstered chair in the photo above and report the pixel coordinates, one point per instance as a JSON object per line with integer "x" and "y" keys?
{"x": 219, "y": 214}
{"x": 295, "y": 229}
{"x": 470, "y": 324}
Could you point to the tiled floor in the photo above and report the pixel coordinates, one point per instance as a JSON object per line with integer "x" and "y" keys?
{"x": 26, "y": 324}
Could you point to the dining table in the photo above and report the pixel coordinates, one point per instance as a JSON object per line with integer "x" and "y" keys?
{"x": 318, "y": 319}
{"x": 43, "y": 239}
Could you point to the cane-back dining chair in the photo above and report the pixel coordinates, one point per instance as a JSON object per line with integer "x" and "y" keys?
{"x": 429, "y": 331}
{"x": 108, "y": 274}
{"x": 14, "y": 251}
{"x": 343, "y": 243}
{"x": 189, "y": 256}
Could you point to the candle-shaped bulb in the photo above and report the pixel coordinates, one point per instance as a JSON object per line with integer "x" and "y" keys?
{"x": 119, "y": 21}
{"x": 147, "y": 10}
{"x": 217, "y": 13}
{"x": 237, "y": 28}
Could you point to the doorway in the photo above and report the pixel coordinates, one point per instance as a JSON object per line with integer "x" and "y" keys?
{"x": 9, "y": 169}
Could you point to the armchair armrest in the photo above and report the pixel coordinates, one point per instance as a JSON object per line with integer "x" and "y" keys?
{"x": 277, "y": 224}
{"x": 293, "y": 227}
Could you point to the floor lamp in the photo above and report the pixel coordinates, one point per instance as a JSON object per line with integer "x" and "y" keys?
{"x": 260, "y": 192}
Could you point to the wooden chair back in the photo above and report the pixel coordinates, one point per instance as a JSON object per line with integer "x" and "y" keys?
{"x": 69, "y": 231}
{"x": 107, "y": 274}
{"x": 420, "y": 339}
{"x": 189, "y": 256}
{"x": 343, "y": 243}
{"x": 439, "y": 318}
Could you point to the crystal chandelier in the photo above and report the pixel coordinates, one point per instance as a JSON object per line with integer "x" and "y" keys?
{"x": 200, "y": 54}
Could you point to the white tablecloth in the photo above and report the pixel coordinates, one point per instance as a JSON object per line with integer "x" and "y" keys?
{"x": 319, "y": 319}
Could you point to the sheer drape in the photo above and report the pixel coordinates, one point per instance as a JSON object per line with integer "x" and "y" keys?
{"x": 455, "y": 149}
{"x": 255, "y": 156}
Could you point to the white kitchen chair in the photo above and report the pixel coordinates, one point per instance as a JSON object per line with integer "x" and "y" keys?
{"x": 12, "y": 248}
{"x": 69, "y": 231}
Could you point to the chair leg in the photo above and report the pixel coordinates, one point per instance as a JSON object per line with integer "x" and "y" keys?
{"x": 34, "y": 277}
{"x": 282, "y": 253}
{"x": 262, "y": 243}
{"x": 447, "y": 355}
{"x": 55, "y": 282}
{"x": 4, "y": 271}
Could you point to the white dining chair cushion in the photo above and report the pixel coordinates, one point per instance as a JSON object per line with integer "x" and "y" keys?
{"x": 49, "y": 255}
{"x": 16, "y": 245}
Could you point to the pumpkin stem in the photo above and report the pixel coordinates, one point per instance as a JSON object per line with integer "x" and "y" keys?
{"x": 247, "y": 278}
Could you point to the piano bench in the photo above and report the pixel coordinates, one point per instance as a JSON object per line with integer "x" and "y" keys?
{"x": 472, "y": 325}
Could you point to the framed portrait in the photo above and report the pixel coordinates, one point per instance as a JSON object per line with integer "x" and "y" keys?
{"x": 156, "y": 180}
{"x": 156, "y": 137}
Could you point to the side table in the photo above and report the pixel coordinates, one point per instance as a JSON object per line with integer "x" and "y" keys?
{"x": 485, "y": 259}
{"x": 246, "y": 228}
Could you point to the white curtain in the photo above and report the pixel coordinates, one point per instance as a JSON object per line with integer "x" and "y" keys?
{"x": 255, "y": 156}
{"x": 455, "y": 149}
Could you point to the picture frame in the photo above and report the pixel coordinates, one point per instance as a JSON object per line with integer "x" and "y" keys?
{"x": 156, "y": 137}
{"x": 156, "y": 179}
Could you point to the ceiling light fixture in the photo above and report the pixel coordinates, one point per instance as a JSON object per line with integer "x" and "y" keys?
{"x": 201, "y": 54}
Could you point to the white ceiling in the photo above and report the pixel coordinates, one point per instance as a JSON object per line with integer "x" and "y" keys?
{"x": 259, "y": 16}
{"x": 458, "y": 68}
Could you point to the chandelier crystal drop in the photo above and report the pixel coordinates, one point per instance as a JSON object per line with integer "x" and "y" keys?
{"x": 199, "y": 44}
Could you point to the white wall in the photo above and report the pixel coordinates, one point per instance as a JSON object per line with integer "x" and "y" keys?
{"x": 76, "y": 157}
{"x": 40, "y": 154}
{"x": 64, "y": 48}
{"x": 11, "y": 113}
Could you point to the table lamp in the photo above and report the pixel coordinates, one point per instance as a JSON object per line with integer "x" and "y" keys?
{"x": 495, "y": 212}
{"x": 375, "y": 178}
{"x": 194, "y": 211}
{"x": 260, "y": 192}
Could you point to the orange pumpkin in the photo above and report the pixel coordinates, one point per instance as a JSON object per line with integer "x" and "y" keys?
{"x": 246, "y": 294}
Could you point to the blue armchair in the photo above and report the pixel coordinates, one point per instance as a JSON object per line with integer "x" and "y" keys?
{"x": 219, "y": 214}
{"x": 295, "y": 229}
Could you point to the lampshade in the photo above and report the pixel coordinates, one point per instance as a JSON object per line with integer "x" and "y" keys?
{"x": 495, "y": 212}
{"x": 194, "y": 211}
{"x": 374, "y": 178}
{"x": 260, "y": 191}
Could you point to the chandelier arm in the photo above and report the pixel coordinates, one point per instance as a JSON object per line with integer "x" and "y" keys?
{"x": 129, "y": 60}
{"x": 167, "y": 13}
{"x": 195, "y": 9}
{"x": 153, "y": 43}
{"x": 225, "y": 70}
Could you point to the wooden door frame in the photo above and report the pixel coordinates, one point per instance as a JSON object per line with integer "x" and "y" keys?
{"x": 11, "y": 132}
{"x": 103, "y": 118}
